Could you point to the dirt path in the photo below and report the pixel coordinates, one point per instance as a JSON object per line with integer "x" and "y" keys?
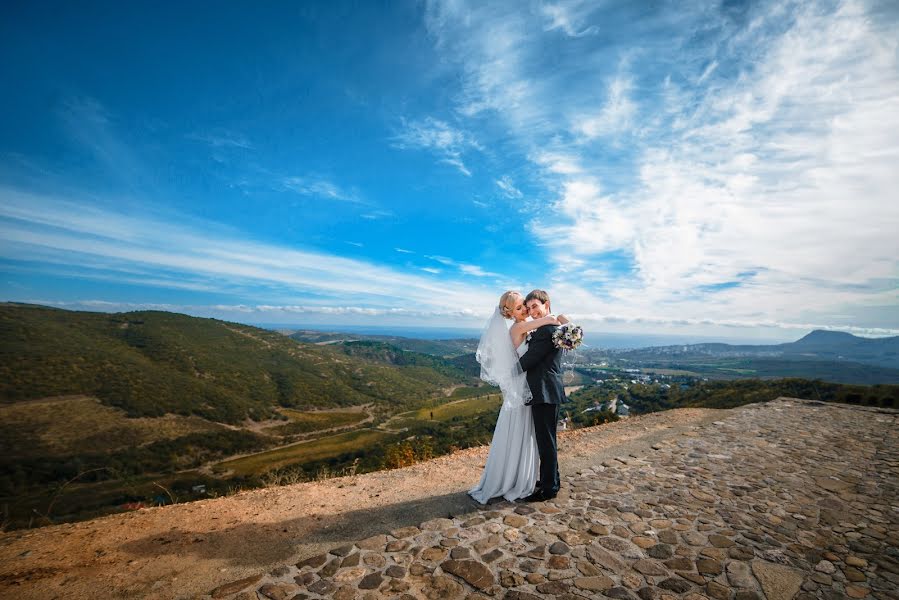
{"x": 186, "y": 550}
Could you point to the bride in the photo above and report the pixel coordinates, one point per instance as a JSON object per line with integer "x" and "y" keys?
{"x": 513, "y": 462}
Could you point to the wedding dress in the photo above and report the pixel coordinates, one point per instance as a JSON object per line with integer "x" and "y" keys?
{"x": 513, "y": 462}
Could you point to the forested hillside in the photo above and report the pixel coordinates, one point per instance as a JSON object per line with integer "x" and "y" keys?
{"x": 123, "y": 403}
{"x": 152, "y": 363}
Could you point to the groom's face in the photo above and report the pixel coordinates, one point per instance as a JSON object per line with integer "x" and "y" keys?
{"x": 537, "y": 309}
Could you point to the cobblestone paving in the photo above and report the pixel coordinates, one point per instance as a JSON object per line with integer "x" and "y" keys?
{"x": 789, "y": 499}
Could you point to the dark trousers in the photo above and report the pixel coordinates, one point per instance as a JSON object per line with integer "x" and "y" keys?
{"x": 546, "y": 416}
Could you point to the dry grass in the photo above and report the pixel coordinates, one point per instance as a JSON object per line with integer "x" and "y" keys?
{"x": 303, "y": 452}
{"x": 72, "y": 424}
{"x": 445, "y": 412}
{"x": 320, "y": 420}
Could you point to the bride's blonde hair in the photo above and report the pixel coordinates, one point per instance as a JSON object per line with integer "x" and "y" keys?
{"x": 506, "y": 303}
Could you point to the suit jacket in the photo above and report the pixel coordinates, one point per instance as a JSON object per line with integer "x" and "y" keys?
{"x": 543, "y": 365}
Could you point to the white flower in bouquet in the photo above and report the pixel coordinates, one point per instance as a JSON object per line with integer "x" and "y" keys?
{"x": 568, "y": 336}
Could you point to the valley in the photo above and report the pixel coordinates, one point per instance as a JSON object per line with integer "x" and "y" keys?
{"x": 104, "y": 413}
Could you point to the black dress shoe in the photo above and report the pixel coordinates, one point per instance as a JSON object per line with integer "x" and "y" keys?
{"x": 535, "y": 497}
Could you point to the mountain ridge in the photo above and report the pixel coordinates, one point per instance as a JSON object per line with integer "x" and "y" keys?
{"x": 819, "y": 344}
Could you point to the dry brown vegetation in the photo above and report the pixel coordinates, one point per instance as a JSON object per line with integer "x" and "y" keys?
{"x": 68, "y": 424}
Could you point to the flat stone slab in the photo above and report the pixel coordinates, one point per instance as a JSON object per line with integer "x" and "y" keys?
{"x": 779, "y": 582}
{"x": 786, "y": 500}
{"x": 229, "y": 589}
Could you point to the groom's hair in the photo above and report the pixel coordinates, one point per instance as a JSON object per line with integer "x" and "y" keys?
{"x": 540, "y": 295}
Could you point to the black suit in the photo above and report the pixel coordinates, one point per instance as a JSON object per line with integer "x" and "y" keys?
{"x": 543, "y": 365}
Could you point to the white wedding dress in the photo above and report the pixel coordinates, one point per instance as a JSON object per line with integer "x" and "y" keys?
{"x": 512, "y": 464}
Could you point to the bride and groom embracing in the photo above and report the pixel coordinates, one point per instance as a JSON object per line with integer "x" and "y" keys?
{"x": 523, "y": 361}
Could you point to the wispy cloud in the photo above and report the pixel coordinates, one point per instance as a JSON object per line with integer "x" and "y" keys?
{"x": 567, "y": 17}
{"x": 757, "y": 177}
{"x": 721, "y": 165}
{"x": 439, "y": 137}
{"x": 266, "y": 312}
{"x": 161, "y": 253}
{"x": 467, "y": 269}
{"x": 92, "y": 127}
{"x": 476, "y": 271}
{"x": 374, "y": 215}
{"x": 319, "y": 187}
{"x": 509, "y": 190}
{"x": 223, "y": 139}
{"x": 615, "y": 116}
{"x": 558, "y": 162}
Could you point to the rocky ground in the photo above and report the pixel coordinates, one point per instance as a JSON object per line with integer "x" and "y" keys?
{"x": 186, "y": 550}
{"x": 790, "y": 499}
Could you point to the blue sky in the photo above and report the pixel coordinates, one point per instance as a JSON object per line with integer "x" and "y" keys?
{"x": 720, "y": 169}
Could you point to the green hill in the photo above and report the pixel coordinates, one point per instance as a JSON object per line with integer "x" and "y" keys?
{"x": 98, "y": 410}
{"x": 151, "y": 363}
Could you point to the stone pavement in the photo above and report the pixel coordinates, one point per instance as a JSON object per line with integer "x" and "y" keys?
{"x": 788, "y": 499}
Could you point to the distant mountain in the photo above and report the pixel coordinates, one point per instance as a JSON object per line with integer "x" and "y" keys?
{"x": 818, "y": 345}
{"x": 821, "y": 338}
{"x": 838, "y": 345}
{"x": 150, "y": 363}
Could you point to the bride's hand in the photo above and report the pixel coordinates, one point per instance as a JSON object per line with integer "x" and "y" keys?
{"x": 553, "y": 319}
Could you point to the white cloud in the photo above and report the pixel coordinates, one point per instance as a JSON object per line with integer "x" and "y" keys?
{"x": 442, "y": 260}
{"x": 457, "y": 162}
{"x": 320, "y": 187}
{"x": 464, "y": 268}
{"x": 707, "y": 72}
{"x": 173, "y": 253}
{"x": 616, "y": 115}
{"x": 439, "y": 137}
{"x": 376, "y": 214}
{"x": 758, "y": 182}
{"x": 706, "y": 168}
{"x": 266, "y": 312}
{"x": 223, "y": 138}
{"x": 558, "y": 163}
{"x": 476, "y": 271}
{"x": 488, "y": 41}
{"x": 508, "y": 188}
{"x": 566, "y": 16}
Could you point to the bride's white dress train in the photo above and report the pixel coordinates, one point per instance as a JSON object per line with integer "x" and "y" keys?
{"x": 513, "y": 462}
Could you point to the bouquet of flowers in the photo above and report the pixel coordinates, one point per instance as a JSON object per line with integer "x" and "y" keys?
{"x": 568, "y": 336}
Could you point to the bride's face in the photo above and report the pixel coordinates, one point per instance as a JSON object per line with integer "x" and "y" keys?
{"x": 519, "y": 310}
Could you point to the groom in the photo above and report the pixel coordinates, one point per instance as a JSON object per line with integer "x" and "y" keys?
{"x": 543, "y": 364}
